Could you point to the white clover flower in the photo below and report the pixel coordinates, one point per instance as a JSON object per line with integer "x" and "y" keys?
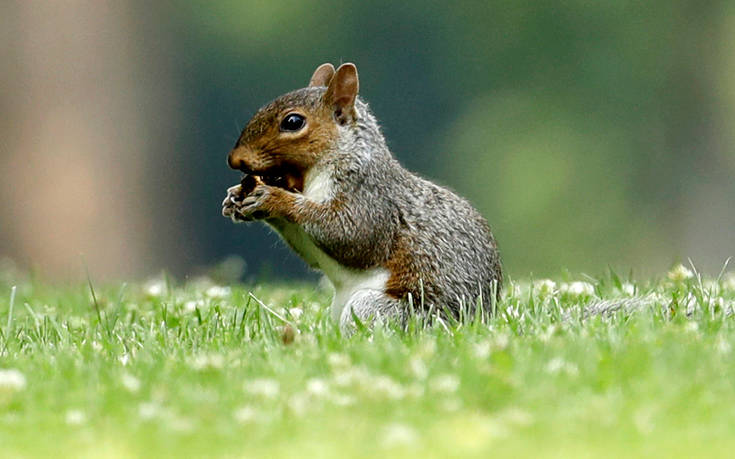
{"x": 502, "y": 341}
{"x": 628, "y": 289}
{"x": 350, "y": 376}
{"x": 343, "y": 400}
{"x": 296, "y": 313}
{"x": 446, "y": 383}
{"x": 729, "y": 281}
{"x": 398, "y": 435}
{"x": 217, "y": 291}
{"x": 578, "y": 289}
{"x": 245, "y": 414}
{"x": 192, "y": 305}
{"x": 451, "y": 404}
{"x": 418, "y": 368}
{"x": 12, "y": 380}
{"x": 130, "y": 382}
{"x": 155, "y": 288}
{"x": 317, "y": 387}
{"x": 426, "y": 349}
{"x": 481, "y": 350}
{"x": 337, "y": 360}
{"x": 643, "y": 420}
{"x": 512, "y": 312}
{"x": 267, "y": 388}
{"x": 558, "y": 365}
{"x": 180, "y": 424}
{"x": 545, "y": 287}
{"x": 299, "y": 404}
{"x": 202, "y": 362}
{"x": 680, "y": 273}
{"x": 383, "y": 385}
{"x": 722, "y": 345}
{"x": 75, "y": 417}
{"x": 149, "y": 410}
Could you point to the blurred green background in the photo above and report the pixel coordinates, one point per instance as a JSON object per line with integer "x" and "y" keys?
{"x": 589, "y": 134}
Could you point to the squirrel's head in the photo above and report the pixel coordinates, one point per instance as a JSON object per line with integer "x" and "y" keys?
{"x": 290, "y": 134}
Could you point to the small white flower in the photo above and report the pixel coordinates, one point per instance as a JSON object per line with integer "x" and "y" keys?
{"x": 446, "y": 383}
{"x": 337, "y": 360}
{"x": 192, "y": 305}
{"x": 643, "y": 420}
{"x": 202, "y": 362}
{"x": 502, "y": 341}
{"x": 578, "y": 289}
{"x": 317, "y": 387}
{"x": 180, "y": 424}
{"x": 75, "y": 417}
{"x": 245, "y": 415}
{"x": 481, "y": 350}
{"x": 680, "y": 273}
{"x": 729, "y": 281}
{"x": 350, "y": 376}
{"x": 296, "y": 313}
{"x": 343, "y": 400}
{"x": 299, "y": 404}
{"x": 155, "y": 288}
{"x": 722, "y": 346}
{"x": 217, "y": 291}
{"x": 267, "y": 388}
{"x": 124, "y": 359}
{"x": 387, "y": 387}
{"x": 418, "y": 368}
{"x": 451, "y": 404}
{"x": 398, "y": 435}
{"x": 426, "y": 349}
{"x": 130, "y": 382}
{"x": 12, "y": 380}
{"x": 149, "y": 410}
{"x": 628, "y": 289}
{"x": 558, "y": 365}
{"x": 545, "y": 287}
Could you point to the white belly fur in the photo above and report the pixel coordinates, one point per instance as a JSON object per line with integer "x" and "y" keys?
{"x": 346, "y": 281}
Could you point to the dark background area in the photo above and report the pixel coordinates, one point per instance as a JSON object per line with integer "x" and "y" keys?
{"x": 589, "y": 134}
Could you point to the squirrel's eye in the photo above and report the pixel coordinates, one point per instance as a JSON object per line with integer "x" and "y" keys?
{"x": 292, "y": 122}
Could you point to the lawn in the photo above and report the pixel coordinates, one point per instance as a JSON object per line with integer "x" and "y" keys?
{"x": 165, "y": 368}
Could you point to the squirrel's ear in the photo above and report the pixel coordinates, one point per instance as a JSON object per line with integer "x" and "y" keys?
{"x": 342, "y": 92}
{"x": 322, "y": 75}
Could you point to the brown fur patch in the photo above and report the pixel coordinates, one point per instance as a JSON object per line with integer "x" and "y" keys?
{"x": 283, "y": 158}
{"x": 405, "y": 272}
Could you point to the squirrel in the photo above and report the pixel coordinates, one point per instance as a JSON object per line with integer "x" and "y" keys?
{"x": 318, "y": 171}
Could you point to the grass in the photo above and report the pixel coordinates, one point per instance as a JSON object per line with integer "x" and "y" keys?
{"x": 197, "y": 369}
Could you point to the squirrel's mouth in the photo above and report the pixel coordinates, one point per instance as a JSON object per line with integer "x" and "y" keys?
{"x": 287, "y": 179}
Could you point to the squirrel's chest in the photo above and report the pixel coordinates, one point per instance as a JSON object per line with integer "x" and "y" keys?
{"x": 346, "y": 281}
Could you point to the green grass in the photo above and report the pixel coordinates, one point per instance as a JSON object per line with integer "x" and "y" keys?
{"x": 190, "y": 370}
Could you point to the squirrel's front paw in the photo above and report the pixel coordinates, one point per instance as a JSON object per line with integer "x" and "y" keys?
{"x": 255, "y": 206}
{"x": 232, "y": 204}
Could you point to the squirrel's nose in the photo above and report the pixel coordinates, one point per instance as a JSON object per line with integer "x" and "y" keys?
{"x": 234, "y": 160}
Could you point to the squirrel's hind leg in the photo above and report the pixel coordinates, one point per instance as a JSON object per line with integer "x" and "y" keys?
{"x": 370, "y": 307}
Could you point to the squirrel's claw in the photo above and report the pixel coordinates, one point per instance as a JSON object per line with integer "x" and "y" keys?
{"x": 241, "y": 208}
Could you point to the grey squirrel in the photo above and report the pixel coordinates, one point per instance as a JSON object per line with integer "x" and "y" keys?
{"x": 318, "y": 171}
